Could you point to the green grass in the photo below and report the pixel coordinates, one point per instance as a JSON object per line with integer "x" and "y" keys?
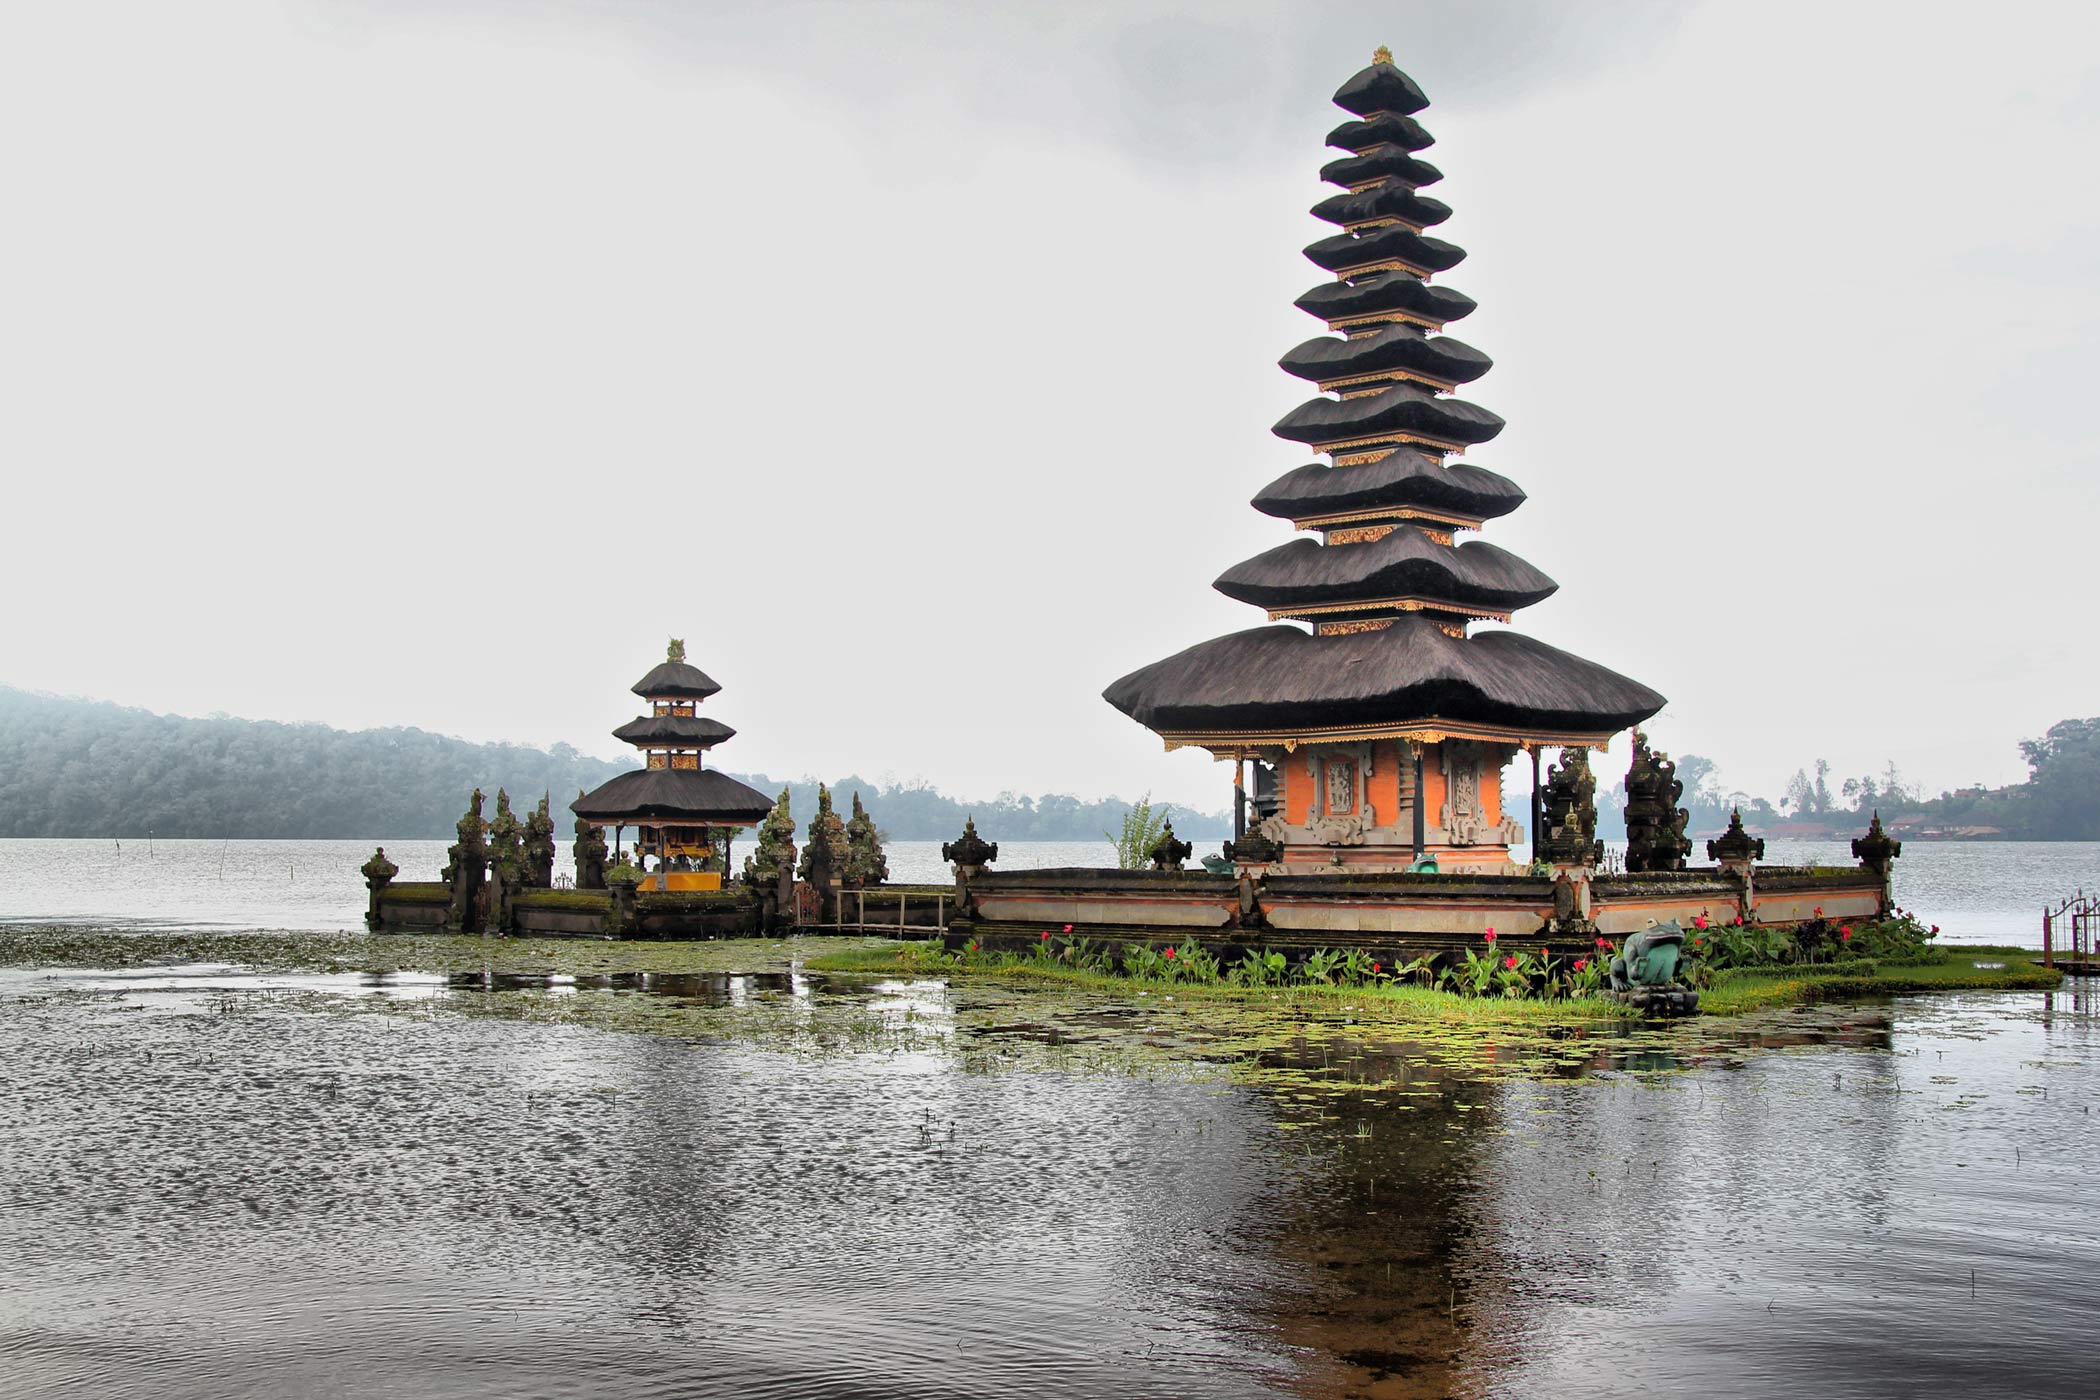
{"x": 1735, "y": 993}
{"x": 1407, "y": 1003}
{"x": 1950, "y": 970}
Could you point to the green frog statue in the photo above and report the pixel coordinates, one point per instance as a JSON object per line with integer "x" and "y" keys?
{"x": 1644, "y": 974}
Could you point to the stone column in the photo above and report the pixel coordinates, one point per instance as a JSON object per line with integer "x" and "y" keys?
{"x": 1738, "y": 853}
{"x": 379, "y": 872}
{"x": 969, "y": 854}
{"x": 1878, "y": 853}
{"x": 621, "y": 880}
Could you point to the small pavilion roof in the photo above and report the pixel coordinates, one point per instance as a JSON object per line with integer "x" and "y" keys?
{"x": 1402, "y": 477}
{"x": 1403, "y": 408}
{"x": 1281, "y": 681}
{"x": 674, "y": 731}
{"x": 1392, "y": 346}
{"x": 1385, "y": 291}
{"x": 695, "y": 796}
{"x": 1386, "y": 162}
{"x": 676, "y": 680}
{"x": 1380, "y": 88}
{"x": 1395, "y": 241}
{"x": 1405, "y": 563}
{"x": 1385, "y": 129}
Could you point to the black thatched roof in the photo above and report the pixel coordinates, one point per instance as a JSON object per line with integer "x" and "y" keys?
{"x": 1385, "y": 162}
{"x": 1396, "y": 241}
{"x": 1391, "y": 200}
{"x": 675, "y": 680}
{"x": 1385, "y": 129}
{"x": 1380, "y": 88}
{"x": 696, "y": 796}
{"x": 1403, "y": 408}
{"x": 1283, "y": 679}
{"x": 674, "y": 731}
{"x": 1385, "y": 291}
{"x": 1406, "y": 563}
{"x": 1400, "y": 478}
{"x": 1394, "y": 345}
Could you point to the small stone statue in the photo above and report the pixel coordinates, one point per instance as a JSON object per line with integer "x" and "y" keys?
{"x": 865, "y": 862}
{"x": 1655, "y": 838}
{"x": 1568, "y": 811}
{"x": 589, "y": 851}
{"x": 1167, "y": 853}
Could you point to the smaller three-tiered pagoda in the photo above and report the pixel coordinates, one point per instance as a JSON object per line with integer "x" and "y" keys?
{"x": 684, "y": 814}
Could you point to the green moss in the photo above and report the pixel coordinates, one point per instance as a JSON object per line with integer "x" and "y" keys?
{"x": 594, "y": 901}
{"x": 420, "y": 892}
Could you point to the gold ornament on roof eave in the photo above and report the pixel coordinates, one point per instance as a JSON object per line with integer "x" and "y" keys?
{"x": 1381, "y": 54}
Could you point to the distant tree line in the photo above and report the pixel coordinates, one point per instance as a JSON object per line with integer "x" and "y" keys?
{"x": 2059, "y": 801}
{"x": 87, "y": 768}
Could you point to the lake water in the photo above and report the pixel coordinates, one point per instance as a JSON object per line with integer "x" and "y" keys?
{"x": 215, "y": 1185}
{"x": 1979, "y": 892}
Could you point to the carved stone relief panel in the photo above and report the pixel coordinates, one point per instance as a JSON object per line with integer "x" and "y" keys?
{"x": 1341, "y": 787}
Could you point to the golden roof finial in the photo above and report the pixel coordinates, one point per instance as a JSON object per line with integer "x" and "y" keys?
{"x": 676, "y": 651}
{"x": 1382, "y": 54}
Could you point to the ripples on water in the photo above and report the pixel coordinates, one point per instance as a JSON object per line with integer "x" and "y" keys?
{"x": 216, "y": 1184}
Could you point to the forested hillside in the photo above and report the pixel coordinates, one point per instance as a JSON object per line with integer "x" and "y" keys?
{"x": 87, "y": 768}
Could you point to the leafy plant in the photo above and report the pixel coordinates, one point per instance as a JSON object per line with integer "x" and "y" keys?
{"x": 1142, "y": 826}
{"x": 1256, "y": 969}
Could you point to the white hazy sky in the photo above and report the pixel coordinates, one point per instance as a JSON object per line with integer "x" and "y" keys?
{"x": 378, "y": 362}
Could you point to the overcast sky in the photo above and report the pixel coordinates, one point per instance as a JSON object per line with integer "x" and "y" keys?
{"x": 430, "y": 363}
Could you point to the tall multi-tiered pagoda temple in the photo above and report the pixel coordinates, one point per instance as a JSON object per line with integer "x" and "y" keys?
{"x": 684, "y": 814}
{"x": 1380, "y": 727}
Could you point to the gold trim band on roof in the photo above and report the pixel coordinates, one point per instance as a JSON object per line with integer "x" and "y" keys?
{"x": 1404, "y": 604}
{"x": 1425, "y": 731}
{"x": 1383, "y": 221}
{"x": 1322, "y": 522}
{"x": 1337, "y": 386}
{"x": 1385, "y": 265}
{"x": 1388, "y": 439}
{"x": 1348, "y": 324}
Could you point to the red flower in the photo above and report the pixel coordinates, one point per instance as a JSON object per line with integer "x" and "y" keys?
{"x": 1581, "y": 964}
{"x": 1046, "y": 934}
{"x": 1490, "y": 934}
{"x": 1170, "y": 952}
{"x": 1844, "y": 935}
{"x": 1068, "y": 928}
{"x": 1374, "y": 967}
{"x": 1603, "y": 942}
{"x": 1819, "y": 911}
{"x": 1935, "y": 928}
{"x": 1739, "y": 921}
{"x": 1699, "y": 922}
{"x": 1510, "y": 961}
{"x": 973, "y": 947}
{"x": 1698, "y": 943}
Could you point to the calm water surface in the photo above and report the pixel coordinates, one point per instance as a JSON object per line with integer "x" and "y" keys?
{"x": 1979, "y": 892}
{"x": 213, "y": 1184}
